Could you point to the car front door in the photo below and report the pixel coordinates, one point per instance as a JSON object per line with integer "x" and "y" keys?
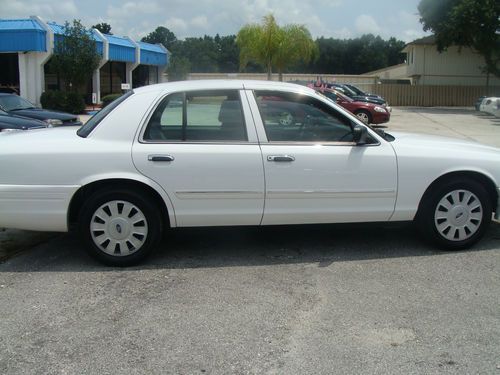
{"x": 314, "y": 171}
{"x": 201, "y": 147}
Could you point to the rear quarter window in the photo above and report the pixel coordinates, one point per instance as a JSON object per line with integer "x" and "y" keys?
{"x": 92, "y": 123}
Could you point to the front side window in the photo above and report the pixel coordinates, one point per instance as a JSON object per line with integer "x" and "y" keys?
{"x": 200, "y": 116}
{"x": 298, "y": 118}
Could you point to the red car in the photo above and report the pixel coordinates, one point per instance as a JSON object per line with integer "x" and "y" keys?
{"x": 369, "y": 113}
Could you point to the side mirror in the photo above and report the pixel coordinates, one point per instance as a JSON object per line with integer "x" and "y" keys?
{"x": 359, "y": 134}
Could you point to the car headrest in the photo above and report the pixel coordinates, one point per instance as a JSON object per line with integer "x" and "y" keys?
{"x": 230, "y": 112}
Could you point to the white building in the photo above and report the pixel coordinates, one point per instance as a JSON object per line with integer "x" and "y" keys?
{"x": 425, "y": 65}
{"x": 26, "y": 46}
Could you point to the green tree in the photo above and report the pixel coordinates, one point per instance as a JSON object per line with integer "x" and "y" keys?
{"x": 270, "y": 45}
{"x": 178, "y": 68}
{"x": 355, "y": 56}
{"x": 295, "y": 44}
{"x": 161, "y": 35}
{"x": 201, "y": 52}
{"x": 75, "y": 55}
{"x": 103, "y": 27}
{"x": 393, "y": 50}
{"x": 227, "y": 53}
{"x": 465, "y": 23}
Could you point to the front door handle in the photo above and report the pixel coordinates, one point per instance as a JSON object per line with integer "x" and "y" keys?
{"x": 161, "y": 158}
{"x": 280, "y": 158}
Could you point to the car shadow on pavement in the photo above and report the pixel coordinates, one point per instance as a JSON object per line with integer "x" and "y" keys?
{"x": 441, "y": 110}
{"x": 486, "y": 116}
{"x": 249, "y": 246}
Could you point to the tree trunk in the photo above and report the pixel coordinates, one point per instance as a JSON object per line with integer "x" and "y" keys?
{"x": 269, "y": 71}
{"x": 488, "y": 83}
{"x": 280, "y": 75}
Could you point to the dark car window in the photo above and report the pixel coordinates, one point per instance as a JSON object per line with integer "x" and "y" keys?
{"x": 298, "y": 118}
{"x": 200, "y": 116}
{"x": 91, "y": 124}
{"x": 14, "y": 102}
{"x": 356, "y": 90}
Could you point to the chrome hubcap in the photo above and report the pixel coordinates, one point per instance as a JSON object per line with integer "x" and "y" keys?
{"x": 363, "y": 117}
{"x": 119, "y": 228}
{"x": 458, "y": 215}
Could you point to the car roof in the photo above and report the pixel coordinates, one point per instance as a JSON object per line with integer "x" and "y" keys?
{"x": 211, "y": 84}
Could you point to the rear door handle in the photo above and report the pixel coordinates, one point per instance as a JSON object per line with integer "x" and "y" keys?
{"x": 161, "y": 158}
{"x": 280, "y": 158}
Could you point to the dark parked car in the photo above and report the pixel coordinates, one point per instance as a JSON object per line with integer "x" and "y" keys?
{"x": 9, "y": 122}
{"x": 344, "y": 89}
{"x": 15, "y": 105}
{"x": 358, "y": 91}
{"x": 478, "y": 102}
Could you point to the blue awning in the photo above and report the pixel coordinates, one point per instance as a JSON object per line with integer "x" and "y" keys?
{"x": 152, "y": 54}
{"x": 120, "y": 49}
{"x": 22, "y": 35}
{"x": 59, "y": 34}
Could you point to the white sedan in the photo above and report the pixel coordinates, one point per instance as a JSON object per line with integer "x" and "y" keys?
{"x": 491, "y": 105}
{"x": 213, "y": 153}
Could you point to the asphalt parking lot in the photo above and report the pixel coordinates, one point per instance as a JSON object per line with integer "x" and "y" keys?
{"x": 328, "y": 299}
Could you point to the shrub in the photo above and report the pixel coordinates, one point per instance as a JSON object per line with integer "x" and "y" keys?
{"x": 53, "y": 100}
{"x": 109, "y": 98}
{"x": 71, "y": 102}
{"x": 74, "y": 103}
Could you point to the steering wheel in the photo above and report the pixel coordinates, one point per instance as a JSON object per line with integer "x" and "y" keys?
{"x": 306, "y": 124}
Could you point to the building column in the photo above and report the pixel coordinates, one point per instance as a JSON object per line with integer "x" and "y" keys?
{"x": 129, "y": 67}
{"x": 32, "y": 75}
{"x": 96, "y": 76}
{"x": 31, "y": 72}
{"x": 163, "y": 68}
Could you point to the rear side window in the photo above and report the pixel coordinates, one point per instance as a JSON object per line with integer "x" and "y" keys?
{"x": 91, "y": 124}
{"x": 198, "y": 116}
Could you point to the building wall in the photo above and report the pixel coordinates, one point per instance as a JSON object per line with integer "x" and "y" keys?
{"x": 394, "y": 72}
{"x": 339, "y": 78}
{"x": 453, "y": 67}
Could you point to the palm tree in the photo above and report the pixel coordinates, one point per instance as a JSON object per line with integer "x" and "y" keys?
{"x": 270, "y": 45}
{"x": 295, "y": 45}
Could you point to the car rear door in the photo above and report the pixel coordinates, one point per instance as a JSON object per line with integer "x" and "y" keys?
{"x": 201, "y": 147}
{"x": 314, "y": 171}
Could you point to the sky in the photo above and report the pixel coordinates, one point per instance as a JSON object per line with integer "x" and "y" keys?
{"x": 191, "y": 18}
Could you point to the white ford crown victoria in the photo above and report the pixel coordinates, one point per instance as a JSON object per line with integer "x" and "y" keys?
{"x": 209, "y": 153}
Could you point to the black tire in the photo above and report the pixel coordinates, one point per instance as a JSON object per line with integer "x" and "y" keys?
{"x": 365, "y": 114}
{"x": 127, "y": 254}
{"x": 460, "y": 217}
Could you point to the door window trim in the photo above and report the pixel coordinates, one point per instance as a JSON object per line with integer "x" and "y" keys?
{"x": 246, "y": 111}
{"x": 261, "y": 131}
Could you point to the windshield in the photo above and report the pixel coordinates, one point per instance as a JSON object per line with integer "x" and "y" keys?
{"x": 14, "y": 103}
{"x": 343, "y": 97}
{"x": 356, "y": 90}
{"x": 90, "y": 125}
{"x": 348, "y": 91}
{"x": 331, "y": 97}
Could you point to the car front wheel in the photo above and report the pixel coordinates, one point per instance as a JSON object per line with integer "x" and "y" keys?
{"x": 455, "y": 215}
{"x": 120, "y": 228}
{"x": 364, "y": 116}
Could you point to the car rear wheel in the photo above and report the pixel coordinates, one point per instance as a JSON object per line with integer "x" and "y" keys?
{"x": 364, "y": 116}
{"x": 455, "y": 215}
{"x": 120, "y": 228}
